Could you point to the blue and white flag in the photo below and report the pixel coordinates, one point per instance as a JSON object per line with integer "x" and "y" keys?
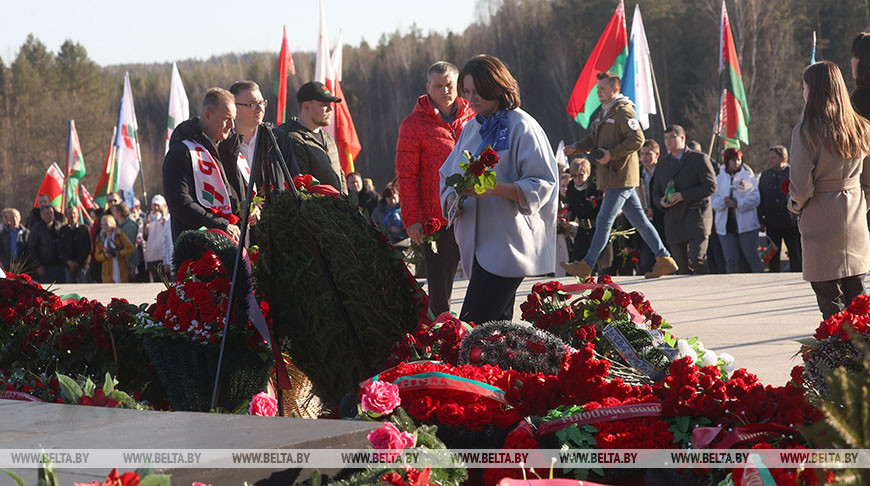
{"x": 637, "y": 82}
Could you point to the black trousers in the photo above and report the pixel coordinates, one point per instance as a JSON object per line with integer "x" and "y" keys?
{"x": 440, "y": 271}
{"x": 489, "y": 297}
{"x": 835, "y": 295}
{"x": 792, "y": 238}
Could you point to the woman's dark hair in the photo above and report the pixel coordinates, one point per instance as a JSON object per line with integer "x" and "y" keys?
{"x": 829, "y": 118}
{"x": 388, "y": 192}
{"x": 731, "y": 154}
{"x": 492, "y": 80}
{"x": 861, "y": 52}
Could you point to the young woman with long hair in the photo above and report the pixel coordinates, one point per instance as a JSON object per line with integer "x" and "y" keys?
{"x": 830, "y": 184}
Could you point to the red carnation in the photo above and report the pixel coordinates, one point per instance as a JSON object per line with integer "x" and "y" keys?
{"x": 451, "y": 414}
{"x": 785, "y": 186}
{"x": 477, "y": 168}
{"x": 489, "y": 157}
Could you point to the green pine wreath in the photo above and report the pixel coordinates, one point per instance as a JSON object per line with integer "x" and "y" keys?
{"x": 340, "y": 334}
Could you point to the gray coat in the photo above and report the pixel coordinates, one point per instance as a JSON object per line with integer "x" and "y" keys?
{"x": 695, "y": 180}
{"x": 830, "y": 194}
{"x": 507, "y": 239}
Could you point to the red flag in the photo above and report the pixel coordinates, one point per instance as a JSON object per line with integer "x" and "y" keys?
{"x": 52, "y": 186}
{"x": 609, "y": 54}
{"x": 345, "y": 133}
{"x": 86, "y": 198}
{"x": 285, "y": 64}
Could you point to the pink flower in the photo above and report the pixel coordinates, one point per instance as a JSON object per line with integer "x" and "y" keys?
{"x": 389, "y": 437}
{"x": 197, "y": 483}
{"x": 380, "y": 397}
{"x": 263, "y": 405}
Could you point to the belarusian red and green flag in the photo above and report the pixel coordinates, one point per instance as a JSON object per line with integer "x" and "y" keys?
{"x": 108, "y": 182}
{"x": 609, "y": 54}
{"x": 285, "y": 65}
{"x": 52, "y": 186}
{"x": 733, "y": 120}
{"x": 75, "y": 168}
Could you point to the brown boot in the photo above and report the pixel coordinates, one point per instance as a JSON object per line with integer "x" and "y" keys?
{"x": 579, "y": 269}
{"x": 663, "y": 266}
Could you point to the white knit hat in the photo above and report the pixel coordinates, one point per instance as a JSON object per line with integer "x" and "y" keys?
{"x": 158, "y": 199}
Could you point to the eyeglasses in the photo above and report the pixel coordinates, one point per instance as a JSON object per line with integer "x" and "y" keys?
{"x": 253, "y": 106}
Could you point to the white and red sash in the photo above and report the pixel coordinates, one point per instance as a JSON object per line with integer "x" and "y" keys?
{"x": 209, "y": 187}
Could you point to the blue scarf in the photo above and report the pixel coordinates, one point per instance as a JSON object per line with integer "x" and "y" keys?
{"x": 494, "y": 131}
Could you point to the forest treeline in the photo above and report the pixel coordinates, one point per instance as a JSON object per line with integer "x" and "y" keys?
{"x": 544, "y": 42}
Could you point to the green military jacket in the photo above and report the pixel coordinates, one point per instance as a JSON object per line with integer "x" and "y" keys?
{"x": 619, "y": 132}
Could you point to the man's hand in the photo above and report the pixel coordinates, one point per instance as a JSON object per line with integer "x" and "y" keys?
{"x": 41, "y": 271}
{"x": 470, "y": 192}
{"x": 606, "y": 157}
{"x": 675, "y": 198}
{"x": 415, "y": 232}
{"x": 234, "y": 231}
{"x": 569, "y": 150}
{"x": 649, "y": 213}
{"x": 72, "y": 265}
{"x": 254, "y": 217}
{"x": 730, "y": 202}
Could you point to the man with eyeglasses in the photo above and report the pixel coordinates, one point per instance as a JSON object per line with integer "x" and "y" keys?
{"x": 202, "y": 151}
{"x": 250, "y": 110}
{"x": 316, "y": 151}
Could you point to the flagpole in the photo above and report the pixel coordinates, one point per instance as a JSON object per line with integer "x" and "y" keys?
{"x": 66, "y": 170}
{"x": 141, "y": 172}
{"x": 658, "y": 98}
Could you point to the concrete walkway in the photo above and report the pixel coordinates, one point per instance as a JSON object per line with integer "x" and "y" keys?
{"x": 755, "y": 317}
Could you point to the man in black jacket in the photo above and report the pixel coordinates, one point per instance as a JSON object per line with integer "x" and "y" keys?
{"x": 74, "y": 242}
{"x": 688, "y": 214}
{"x": 43, "y": 248}
{"x": 315, "y": 149}
{"x": 13, "y": 241}
{"x": 777, "y": 220}
{"x": 250, "y": 109}
{"x": 202, "y": 151}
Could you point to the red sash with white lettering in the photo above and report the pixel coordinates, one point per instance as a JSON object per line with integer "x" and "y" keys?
{"x": 208, "y": 184}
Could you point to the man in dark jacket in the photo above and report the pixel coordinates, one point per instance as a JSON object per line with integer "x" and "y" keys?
{"x": 688, "y": 214}
{"x": 42, "y": 200}
{"x": 367, "y": 198}
{"x": 649, "y": 158}
{"x": 202, "y": 151}
{"x": 250, "y": 109}
{"x": 74, "y": 245}
{"x": 13, "y": 241}
{"x": 43, "y": 248}
{"x": 316, "y": 151}
{"x": 777, "y": 220}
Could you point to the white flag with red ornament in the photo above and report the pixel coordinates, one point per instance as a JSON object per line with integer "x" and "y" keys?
{"x": 126, "y": 141}
{"x": 324, "y": 71}
{"x": 179, "y": 106}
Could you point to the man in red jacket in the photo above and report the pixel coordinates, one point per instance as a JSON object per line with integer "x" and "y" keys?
{"x": 426, "y": 138}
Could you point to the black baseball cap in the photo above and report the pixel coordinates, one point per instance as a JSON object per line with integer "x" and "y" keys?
{"x": 314, "y": 90}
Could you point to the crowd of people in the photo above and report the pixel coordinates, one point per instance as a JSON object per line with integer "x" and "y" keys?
{"x": 619, "y": 206}
{"x": 112, "y": 245}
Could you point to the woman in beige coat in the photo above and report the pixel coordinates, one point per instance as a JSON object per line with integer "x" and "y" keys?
{"x": 830, "y": 184}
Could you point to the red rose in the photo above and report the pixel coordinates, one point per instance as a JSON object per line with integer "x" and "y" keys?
{"x": 451, "y": 414}
{"x": 477, "y": 415}
{"x": 431, "y": 226}
{"x": 861, "y": 305}
{"x": 785, "y": 186}
{"x": 489, "y": 157}
{"x": 421, "y": 408}
{"x": 603, "y": 311}
{"x": 597, "y": 294}
{"x": 477, "y": 168}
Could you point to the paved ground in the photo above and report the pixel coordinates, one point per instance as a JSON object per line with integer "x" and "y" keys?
{"x": 755, "y": 317}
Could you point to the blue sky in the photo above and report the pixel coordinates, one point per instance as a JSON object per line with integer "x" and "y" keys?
{"x": 163, "y": 30}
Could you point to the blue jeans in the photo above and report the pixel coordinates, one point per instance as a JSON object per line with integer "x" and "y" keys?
{"x": 624, "y": 198}
{"x": 734, "y": 244}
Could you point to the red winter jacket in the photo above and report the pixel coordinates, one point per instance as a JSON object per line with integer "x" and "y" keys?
{"x": 425, "y": 141}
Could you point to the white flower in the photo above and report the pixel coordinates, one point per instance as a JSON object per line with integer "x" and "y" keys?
{"x": 729, "y": 365}
{"x": 709, "y": 359}
{"x": 685, "y": 349}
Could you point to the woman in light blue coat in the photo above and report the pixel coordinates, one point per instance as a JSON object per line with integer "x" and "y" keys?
{"x": 506, "y": 233}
